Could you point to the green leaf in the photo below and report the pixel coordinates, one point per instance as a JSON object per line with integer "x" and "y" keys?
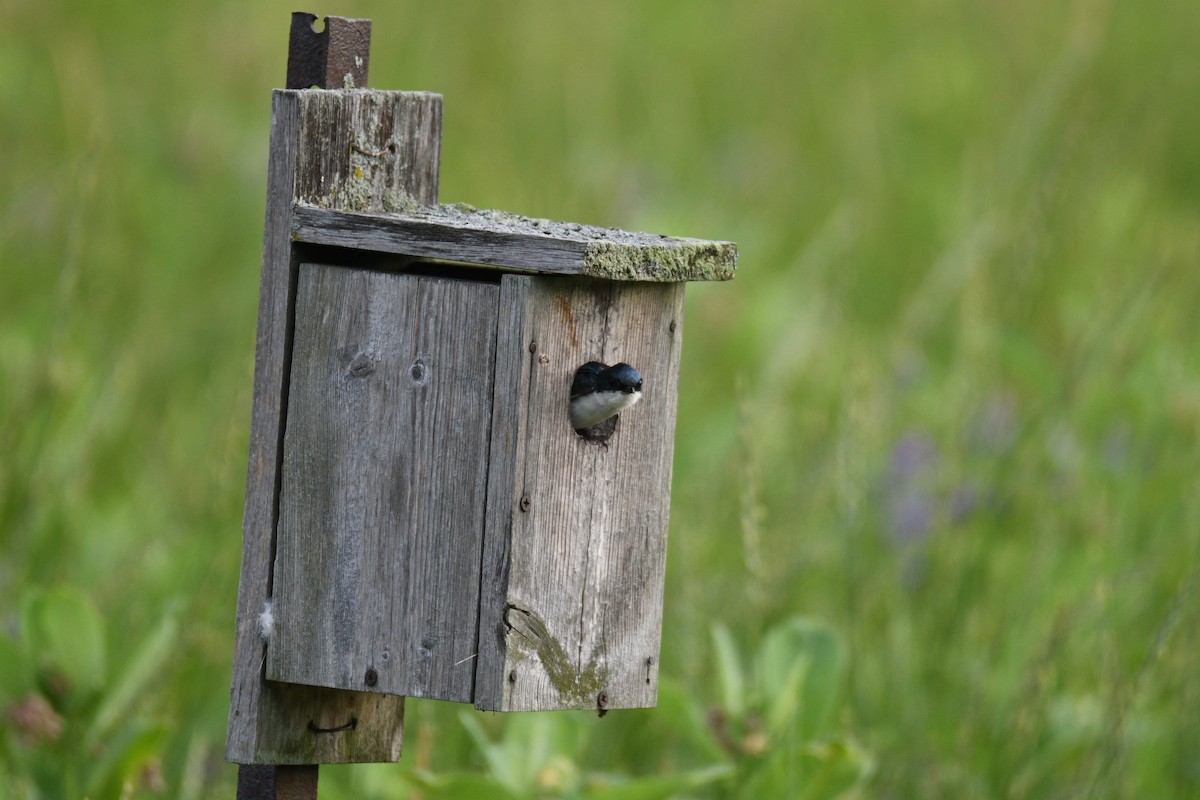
{"x": 124, "y": 758}
{"x": 729, "y": 672}
{"x": 819, "y": 771}
{"x": 530, "y": 744}
{"x": 138, "y": 673}
{"x": 659, "y": 787}
{"x": 799, "y": 670}
{"x": 66, "y": 633}
{"x": 679, "y": 713}
{"x": 493, "y": 754}
{"x": 830, "y": 769}
{"x": 16, "y": 674}
{"x": 463, "y": 786}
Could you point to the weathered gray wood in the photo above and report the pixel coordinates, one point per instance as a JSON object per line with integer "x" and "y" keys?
{"x": 384, "y": 483}
{"x": 503, "y": 240}
{"x": 583, "y": 558}
{"x": 516, "y": 351}
{"x": 367, "y": 150}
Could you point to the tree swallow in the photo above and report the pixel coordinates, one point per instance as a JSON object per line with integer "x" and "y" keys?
{"x": 599, "y": 392}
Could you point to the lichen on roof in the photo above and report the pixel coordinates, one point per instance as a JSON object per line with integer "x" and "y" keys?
{"x": 609, "y": 253}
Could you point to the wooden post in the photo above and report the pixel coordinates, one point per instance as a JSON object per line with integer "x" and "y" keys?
{"x": 317, "y": 144}
{"x": 341, "y": 149}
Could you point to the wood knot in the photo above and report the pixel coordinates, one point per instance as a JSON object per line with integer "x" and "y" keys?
{"x": 418, "y": 373}
{"x": 361, "y": 366}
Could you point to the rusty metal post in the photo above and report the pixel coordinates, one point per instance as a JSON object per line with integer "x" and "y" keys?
{"x": 335, "y": 58}
{"x": 277, "y": 783}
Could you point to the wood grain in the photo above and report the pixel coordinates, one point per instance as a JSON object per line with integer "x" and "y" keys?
{"x": 581, "y": 563}
{"x": 349, "y": 149}
{"x": 384, "y": 481}
{"x": 503, "y": 240}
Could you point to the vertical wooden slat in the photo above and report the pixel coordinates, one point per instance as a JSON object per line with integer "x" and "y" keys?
{"x": 384, "y": 480}
{"x": 362, "y": 150}
{"x": 583, "y": 557}
{"x": 515, "y": 352}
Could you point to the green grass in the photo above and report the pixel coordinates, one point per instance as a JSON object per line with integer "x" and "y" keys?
{"x": 950, "y": 405}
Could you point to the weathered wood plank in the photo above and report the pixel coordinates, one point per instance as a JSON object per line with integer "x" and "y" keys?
{"x": 579, "y": 624}
{"x": 516, "y": 351}
{"x": 318, "y": 139}
{"x": 384, "y": 483}
{"x": 368, "y": 151}
{"x": 503, "y": 240}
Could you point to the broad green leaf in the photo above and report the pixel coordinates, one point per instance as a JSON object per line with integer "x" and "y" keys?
{"x": 65, "y": 633}
{"x": 463, "y": 786}
{"x": 782, "y": 697}
{"x": 660, "y": 787}
{"x": 799, "y": 670}
{"x": 729, "y": 672}
{"x": 138, "y": 673}
{"x": 530, "y": 743}
{"x": 820, "y": 771}
{"x": 123, "y": 758}
{"x": 497, "y": 761}
{"x": 831, "y": 769}
{"x": 16, "y": 676}
{"x": 823, "y": 678}
{"x": 680, "y": 713}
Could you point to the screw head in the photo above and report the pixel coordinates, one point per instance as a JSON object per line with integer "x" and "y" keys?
{"x": 371, "y": 677}
{"x": 525, "y": 502}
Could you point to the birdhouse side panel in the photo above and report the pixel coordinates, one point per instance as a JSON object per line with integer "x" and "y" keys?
{"x": 579, "y": 625}
{"x": 384, "y": 483}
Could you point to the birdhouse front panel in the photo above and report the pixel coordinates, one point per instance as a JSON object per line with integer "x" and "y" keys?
{"x": 575, "y": 554}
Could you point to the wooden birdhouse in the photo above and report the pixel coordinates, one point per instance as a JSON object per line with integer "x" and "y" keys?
{"x": 422, "y": 517}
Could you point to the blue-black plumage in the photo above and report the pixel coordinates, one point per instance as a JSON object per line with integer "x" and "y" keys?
{"x": 599, "y": 392}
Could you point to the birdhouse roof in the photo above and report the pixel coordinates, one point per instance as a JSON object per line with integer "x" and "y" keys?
{"x": 466, "y": 235}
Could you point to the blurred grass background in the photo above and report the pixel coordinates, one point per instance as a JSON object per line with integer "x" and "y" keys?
{"x": 950, "y": 405}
